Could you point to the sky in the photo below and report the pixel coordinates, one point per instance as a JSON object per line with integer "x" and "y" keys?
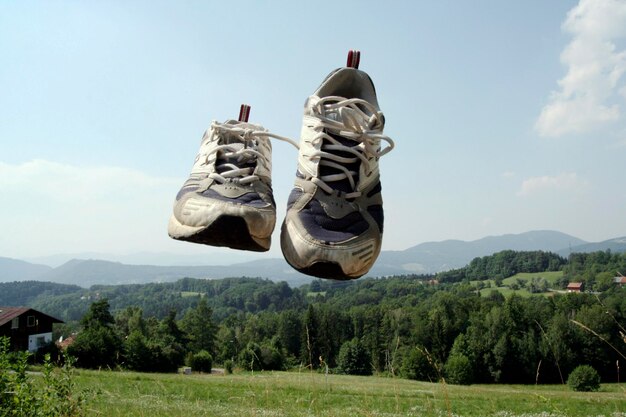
{"x": 507, "y": 116}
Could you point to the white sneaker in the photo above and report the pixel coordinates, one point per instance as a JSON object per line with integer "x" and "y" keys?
{"x": 334, "y": 223}
{"x": 227, "y": 200}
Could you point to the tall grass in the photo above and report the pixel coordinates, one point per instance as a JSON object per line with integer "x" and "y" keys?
{"x": 294, "y": 394}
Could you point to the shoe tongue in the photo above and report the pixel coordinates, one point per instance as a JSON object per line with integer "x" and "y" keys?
{"x": 342, "y": 185}
{"x": 241, "y": 161}
{"x": 344, "y": 116}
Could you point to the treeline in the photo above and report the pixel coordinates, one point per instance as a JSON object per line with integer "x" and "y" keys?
{"x": 596, "y": 269}
{"x": 225, "y": 296}
{"x": 252, "y": 295}
{"x": 504, "y": 264}
{"x": 23, "y": 293}
{"x": 397, "y": 326}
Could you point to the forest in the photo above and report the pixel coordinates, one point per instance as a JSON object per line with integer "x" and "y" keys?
{"x": 418, "y": 327}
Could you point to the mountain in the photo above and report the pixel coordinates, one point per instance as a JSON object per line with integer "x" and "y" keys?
{"x": 425, "y": 258}
{"x": 193, "y": 258}
{"x": 16, "y": 270}
{"x": 616, "y": 245}
{"x": 432, "y": 257}
{"x": 97, "y": 272}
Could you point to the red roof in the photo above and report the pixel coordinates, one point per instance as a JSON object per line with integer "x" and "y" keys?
{"x": 575, "y": 285}
{"x": 9, "y": 313}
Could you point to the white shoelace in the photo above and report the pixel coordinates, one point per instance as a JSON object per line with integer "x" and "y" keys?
{"x": 242, "y": 151}
{"x": 356, "y": 125}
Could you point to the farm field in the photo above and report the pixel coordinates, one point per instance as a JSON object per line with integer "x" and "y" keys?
{"x": 550, "y": 277}
{"x": 293, "y": 394}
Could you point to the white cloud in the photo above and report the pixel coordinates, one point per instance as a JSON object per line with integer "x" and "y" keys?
{"x": 66, "y": 182}
{"x": 588, "y": 92}
{"x": 50, "y": 207}
{"x": 562, "y": 182}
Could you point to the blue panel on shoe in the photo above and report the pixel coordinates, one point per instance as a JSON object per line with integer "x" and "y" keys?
{"x": 326, "y": 229}
{"x": 248, "y": 199}
{"x": 184, "y": 191}
{"x": 294, "y": 195}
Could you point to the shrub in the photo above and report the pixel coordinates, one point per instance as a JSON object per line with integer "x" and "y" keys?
{"x": 250, "y": 357}
{"x": 228, "y": 366}
{"x": 54, "y": 396}
{"x": 417, "y": 364}
{"x": 271, "y": 358}
{"x": 584, "y": 378}
{"x": 262, "y": 357}
{"x": 458, "y": 369}
{"x": 201, "y": 361}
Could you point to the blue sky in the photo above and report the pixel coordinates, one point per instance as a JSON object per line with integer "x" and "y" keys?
{"x": 507, "y": 116}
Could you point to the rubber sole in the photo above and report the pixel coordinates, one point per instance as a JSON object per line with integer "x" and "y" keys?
{"x": 327, "y": 270}
{"x": 228, "y": 231}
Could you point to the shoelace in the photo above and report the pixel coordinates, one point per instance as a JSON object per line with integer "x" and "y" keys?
{"x": 356, "y": 120}
{"x": 242, "y": 151}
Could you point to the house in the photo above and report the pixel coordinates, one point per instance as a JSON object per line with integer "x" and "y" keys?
{"x": 621, "y": 281}
{"x": 27, "y": 329}
{"x": 575, "y": 287}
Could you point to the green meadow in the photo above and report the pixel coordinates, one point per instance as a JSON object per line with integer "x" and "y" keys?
{"x": 306, "y": 393}
{"x": 506, "y": 290}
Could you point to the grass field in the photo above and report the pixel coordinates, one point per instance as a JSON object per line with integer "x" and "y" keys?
{"x": 550, "y": 277}
{"x": 312, "y": 394}
{"x": 190, "y": 294}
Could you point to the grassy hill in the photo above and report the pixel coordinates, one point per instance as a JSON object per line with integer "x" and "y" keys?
{"x": 305, "y": 393}
{"x": 550, "y": 276}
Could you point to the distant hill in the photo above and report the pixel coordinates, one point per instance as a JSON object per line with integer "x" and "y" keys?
{"x": 25, "y": 293}
{"x": 16, "y": 270}
{"x": 616, "y": 245}
{"x": 96, "y": 272}
{"x": 425, "y": 258}
{"x": 432, "y": 257}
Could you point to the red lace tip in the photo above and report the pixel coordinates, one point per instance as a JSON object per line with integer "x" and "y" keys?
{"x": 354, "y": 58}
{"x": 244, "y": 113}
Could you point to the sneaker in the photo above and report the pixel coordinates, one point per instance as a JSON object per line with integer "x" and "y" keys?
{"x": 227, "y": 200}
{"x": 334, "y": 222}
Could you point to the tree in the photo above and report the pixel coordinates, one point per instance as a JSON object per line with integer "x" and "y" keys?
{"x": 97, "y": 345}
{"x": 200, "y": 329}
{"x": 98, "y": 315}
{"x": 250, "y": 357}
{"x": 289, "y": 331}
{"x": 271, "y": 355}
{"x": 604, "y": 281}
{"x": 354, "y": 359}
{"x": 138, "y": 356}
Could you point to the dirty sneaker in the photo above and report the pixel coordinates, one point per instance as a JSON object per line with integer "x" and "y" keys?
{"x": 227, "y": 200}
{"x": 334, "y": 222}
